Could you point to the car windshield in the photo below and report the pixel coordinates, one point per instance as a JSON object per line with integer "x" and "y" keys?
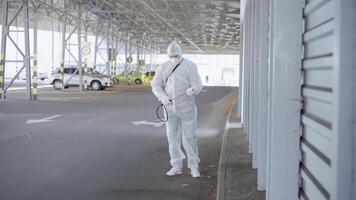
{"x": 91, "y": 71}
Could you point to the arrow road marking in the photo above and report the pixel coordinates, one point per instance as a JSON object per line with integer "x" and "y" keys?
{"x": 144, "y": 122}
{"x": 47, "y": 119}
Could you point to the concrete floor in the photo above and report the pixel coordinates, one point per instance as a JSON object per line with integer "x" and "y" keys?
{"x": 91, "y": 149}
{"x": 237, "y": 178}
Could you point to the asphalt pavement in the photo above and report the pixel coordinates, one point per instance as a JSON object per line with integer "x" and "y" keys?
{"x": 102, "y": 145}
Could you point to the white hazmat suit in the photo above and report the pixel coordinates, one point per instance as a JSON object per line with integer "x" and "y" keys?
{"x": 177, "y": 94}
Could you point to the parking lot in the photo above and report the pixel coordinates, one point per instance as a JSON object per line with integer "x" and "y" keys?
{"x": 102, "y": 145}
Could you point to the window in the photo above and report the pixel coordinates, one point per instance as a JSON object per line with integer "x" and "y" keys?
{"x": 67, "y": 70}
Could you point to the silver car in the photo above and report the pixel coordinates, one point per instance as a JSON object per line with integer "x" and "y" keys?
{"x": 95, "y": 80}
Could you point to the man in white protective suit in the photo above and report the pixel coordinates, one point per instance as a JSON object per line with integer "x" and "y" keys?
{"x": 175, "y": 84}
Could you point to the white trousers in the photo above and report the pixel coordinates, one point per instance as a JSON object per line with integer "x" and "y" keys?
{"x": 181, "y": 127}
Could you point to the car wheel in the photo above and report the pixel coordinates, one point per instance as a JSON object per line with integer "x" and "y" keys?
{"x": 96, "y": 85}
{"x": 57, "y": 84}
{"x": 138, "y": 81}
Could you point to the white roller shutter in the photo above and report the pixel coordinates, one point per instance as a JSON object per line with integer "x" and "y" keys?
{"x": 318, "y": 99}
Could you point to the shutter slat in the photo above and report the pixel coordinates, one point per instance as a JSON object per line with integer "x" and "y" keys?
{"x": 321, "y": 78}
{"x": 319, "y": 109}
{"x": 310, "y": 189}
{"x": 316, "y": 126}
{"x": 320, "y": 32}
{"x": 320, "y": 47}
{"x": 317, "y": 94}
{"x": 317, "y": 167}
{"x": 317, "y": 13}
{"x": 323, "y": 62}
{"x": 320, "y": 141}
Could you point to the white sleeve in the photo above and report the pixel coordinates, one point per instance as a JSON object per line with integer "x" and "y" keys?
{"x": 157, "y": 84}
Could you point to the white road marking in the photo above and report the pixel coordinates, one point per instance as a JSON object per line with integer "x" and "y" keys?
{"x": 47, "y": 119}
{"x": 207, "y": 132}
{"x": 23, "y": 88}
{"x": 144, "y": 122}
{"x": 231, "y": 125}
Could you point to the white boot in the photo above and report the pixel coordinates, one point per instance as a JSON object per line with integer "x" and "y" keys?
{"x": 174, "y": 171}
{"x": 195, "y": 172}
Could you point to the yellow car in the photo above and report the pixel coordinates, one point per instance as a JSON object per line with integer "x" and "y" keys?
{"x": 133, "y": 76}
{"x": 147, "y": 78}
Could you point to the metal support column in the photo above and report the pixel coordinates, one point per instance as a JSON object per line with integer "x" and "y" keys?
{"x": 126, "y": 49}
{"x": 240, "y": 95}
{"x": 96, "y": 49}
{"x": 34, "y": 67}
{"x": 52, "y": 38}
{"x": 64, "y": 45}
{"x": 112, "y": 52}
{"x": 263, "y": 95}
{"x": 128, "y": 53}
{"x": 27, "y": 57}
{"x": 285, "y": 99}
{"x": 254, "y": 80}
{"x": 79, "y": 34}
{"x": 115, "y": 54}
{"x": 138, "y": 56}
{"x": 7, "y": 22}
{"x": 144, "y": 54}
{"x": 108, "y": 50}
{"x": 343, "y": 134}
{"x": 5, "y": 7}
{"x": 250, "y": 77}
{"x": 85, "y": 59}
{"x": 151, "y": 58}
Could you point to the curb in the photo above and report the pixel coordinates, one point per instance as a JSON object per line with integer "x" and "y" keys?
{"x": 221, "y": 189}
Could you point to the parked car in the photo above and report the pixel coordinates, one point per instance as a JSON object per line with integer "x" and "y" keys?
{"x": 133, "y": 76}
{"x": 42, "y": 76}
{"x": 147, "y": 78}
{"x": 95, "y": 80}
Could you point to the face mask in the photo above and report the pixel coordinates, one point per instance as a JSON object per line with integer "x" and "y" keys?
{"x": 175, "y": 60}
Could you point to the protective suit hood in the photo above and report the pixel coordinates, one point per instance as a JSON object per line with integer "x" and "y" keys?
{"x": 174, "y": 49}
